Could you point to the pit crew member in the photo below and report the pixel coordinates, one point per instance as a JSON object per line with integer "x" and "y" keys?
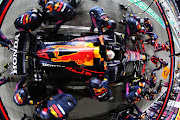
{"x": 147, "y": 23}
{"x": 99, "y": 89}
{"x": 21, "y": 94}
{"x": 101, "y": 21}
{"x": 162, "y": 62}
{"x": 133, "y": 27}
{"x": 61, "y": 12}
{"x": 4, "y": 41}
{"x": 73, "y": 3}
{"x": 29, "y": 21}
{"x": 56, "y": 107}
{"x": 152, "y": 38}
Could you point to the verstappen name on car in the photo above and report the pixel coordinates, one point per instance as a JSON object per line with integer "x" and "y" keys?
{"x": 50, "y": 65}
{"x": 15, "y": 53}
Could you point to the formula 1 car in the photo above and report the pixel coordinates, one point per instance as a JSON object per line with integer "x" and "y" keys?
{"x": 81, "y": 55}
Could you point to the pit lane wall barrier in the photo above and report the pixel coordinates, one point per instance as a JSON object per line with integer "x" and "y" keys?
{"x": 172, "y": 59}
{"x": 4, "y": 6}
{"x": 3, "y": 112}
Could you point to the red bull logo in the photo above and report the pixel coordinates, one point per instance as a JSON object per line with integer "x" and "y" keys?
{"x": 99, "y": 91}
{"x": 84, "y": 54}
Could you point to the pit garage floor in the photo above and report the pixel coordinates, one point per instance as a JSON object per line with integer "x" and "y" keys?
{"x": 86, "y": 109}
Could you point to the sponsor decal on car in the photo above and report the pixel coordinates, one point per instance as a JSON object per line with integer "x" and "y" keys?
{"x": 15, "y": 53}
{"x": 84, "y": 54}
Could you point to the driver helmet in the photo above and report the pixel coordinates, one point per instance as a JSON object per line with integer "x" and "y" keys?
{"x": 95, "y": 83}
{"x": 111, "y": 25}
{"x": 153, "y": 42}
{"x": 146, "y": 19}
{"x": 23, "y": 94}
{"x": 143, "y": 91}
{"x": 49, "y": 6}
{"x": 110, "y": 54}
{"x": 42, "y": 2}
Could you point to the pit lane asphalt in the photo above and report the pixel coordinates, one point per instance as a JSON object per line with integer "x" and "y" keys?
{"x": 86, "y": 108}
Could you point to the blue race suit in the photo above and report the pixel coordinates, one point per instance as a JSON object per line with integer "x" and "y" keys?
{"x": 60, "y": 105}
{"x": 17, "y": 99}
{"x": 62, "y": 12}
{"x": 29, "y": 21}
{"x": 98, "y": 17}
{"x": 149, "y": 27}
{"x": 152, "y": 38}
{"x": 3, "y": 40}
{"x": 103, "y": 93}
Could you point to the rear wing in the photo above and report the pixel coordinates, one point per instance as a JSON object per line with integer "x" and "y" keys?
{"x": 19, "y": 54}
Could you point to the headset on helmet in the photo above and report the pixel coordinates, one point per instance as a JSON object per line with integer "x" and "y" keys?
{"x": 23, "y": 93}
{"x": 111, "y": 24}
{"x": 95, "y": 83}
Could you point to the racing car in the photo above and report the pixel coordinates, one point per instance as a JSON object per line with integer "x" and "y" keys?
{"x": 81, "y": 55}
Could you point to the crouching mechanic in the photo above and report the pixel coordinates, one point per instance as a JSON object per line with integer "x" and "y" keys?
{"x": 29, "y": 21}
{"x": 56, "y": 107}
{"x": 133, "y": 27}
{"x": 163, "y": 64}
{"x": 147, "y": 23}
{"x": 4, "y": 41}
{"x": 99, "y": 89}
{"x": 101, "y": 21}
{"x": 60, "y": 11}
{"x": 21, "y": 94}
{"x": 152, "y": 38}
{"x": 133, "y": 93}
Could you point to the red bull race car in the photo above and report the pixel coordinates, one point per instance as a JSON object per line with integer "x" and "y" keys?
{"x": 80, "y": 55}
